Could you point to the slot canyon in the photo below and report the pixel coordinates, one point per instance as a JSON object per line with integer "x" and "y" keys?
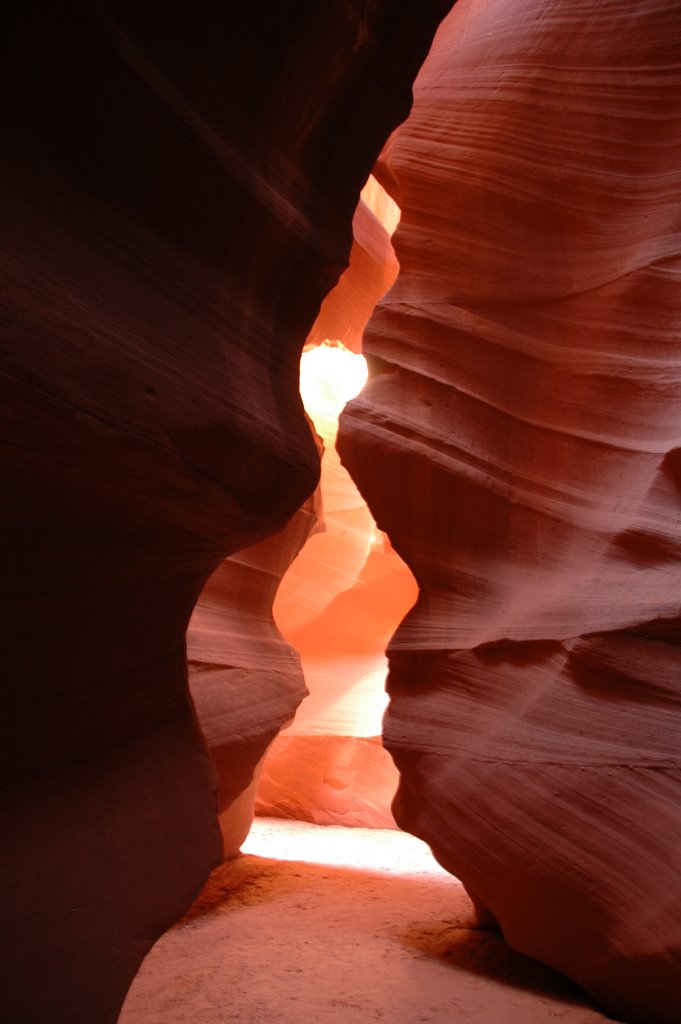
{"x": 196, "y": 196}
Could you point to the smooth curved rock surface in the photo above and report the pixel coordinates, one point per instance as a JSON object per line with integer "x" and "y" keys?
{"x": 245, "y": 680}
{"x": 344, "y": 594}
{"x": 337, "y": 606}
{"x": 372, "y": 270}
{"x": 520, "y": 444}
{"x": 178, "y": 184}
{"x": 329, "y": 766}
{"x": 328, "y": 780}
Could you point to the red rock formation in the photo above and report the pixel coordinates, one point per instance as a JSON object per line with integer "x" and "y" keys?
{"x": 342, "y": 598}
{"x": 178, "y": 183}
{"x": 245, "y": 680}
{"x": 372, "y": 270}
{"x": 328, "y": 779}
{"x": 338, "y": 605}
{"x": 329, "y": 767}
{"x": 520, "y": 444}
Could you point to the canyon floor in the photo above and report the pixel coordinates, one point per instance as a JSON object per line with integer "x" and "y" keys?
{"x": 330, "y": 924}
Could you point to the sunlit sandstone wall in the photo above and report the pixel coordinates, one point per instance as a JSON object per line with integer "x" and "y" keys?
{"x": 347, "y": 590}
{"x": 245, "y": 680}
{"x": 372, "y": 269}
{"x": 520, "y": 443}
{"x": 336, "y": 606}
{"x": 179, "y": 182}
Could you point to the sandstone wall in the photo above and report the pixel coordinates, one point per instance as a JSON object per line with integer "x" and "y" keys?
{"x": 178, "y": 185}
{"x": 245, "y": 680}
{"x": 520, "y": 443}
{"x": 339, "y": 595}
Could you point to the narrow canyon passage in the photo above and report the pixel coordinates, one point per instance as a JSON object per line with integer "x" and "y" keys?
{"x": 338, "y": 605}
{"x": 287, "y": 642}
{"x": 180, "y": 191}
{"x": 330, "y": 924}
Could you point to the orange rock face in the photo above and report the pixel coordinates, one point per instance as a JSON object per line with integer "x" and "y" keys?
{"x": 245, "y": 680}
{"x": 372, "y": 270}
{"x": 520, "y": 444}
{"x": 337, "y": 605}
{"x": 344, "y": 594}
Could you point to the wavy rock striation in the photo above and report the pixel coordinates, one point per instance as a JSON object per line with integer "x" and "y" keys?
{"x": 337, "y": 606}
{"x": 346, "y": 591}
{"x": 372, "y": 270}
{"x": 520, "y": 444}
{"x": 245, "y": 680}
{"x": 179, "y": 183}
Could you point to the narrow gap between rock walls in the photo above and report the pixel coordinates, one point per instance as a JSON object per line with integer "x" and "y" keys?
{"x": 346, "y": 592}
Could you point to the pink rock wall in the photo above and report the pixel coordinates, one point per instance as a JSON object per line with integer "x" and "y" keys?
{"x": 178, "y": 184}
{"x": 372, "y": 270}
{"x": 347, "y": 590}
{"x": 340, "y": 591}
{"x": 245, "y": 680}
{"x": 520, "y": 444}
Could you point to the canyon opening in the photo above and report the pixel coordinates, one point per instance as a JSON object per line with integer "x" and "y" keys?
{"x": 181, "y": 221}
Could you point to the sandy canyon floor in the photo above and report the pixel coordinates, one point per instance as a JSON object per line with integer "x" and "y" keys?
{"x": 335, "y": 924}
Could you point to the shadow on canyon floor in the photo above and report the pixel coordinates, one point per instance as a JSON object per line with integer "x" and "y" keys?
{"x": 276, "y": 940}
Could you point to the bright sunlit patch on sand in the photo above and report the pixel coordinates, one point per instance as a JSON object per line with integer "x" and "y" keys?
{"x": 386, "y": 851}
{"x": 330, "y": 375}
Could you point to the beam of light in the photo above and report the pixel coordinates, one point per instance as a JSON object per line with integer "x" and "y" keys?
{"x": 385, "y": 851}
{"x": 330, "y": 375}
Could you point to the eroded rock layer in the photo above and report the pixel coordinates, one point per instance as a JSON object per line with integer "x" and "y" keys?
{"x": 179, "y": 183}
{"x": 344, "y": 594}
{"x": 245, "y": 680}
{"x": 328, "y": 780}
{"x": 337, "y": 605}
{"x": 520, "y": 444}
{"x": 345, "y": 311}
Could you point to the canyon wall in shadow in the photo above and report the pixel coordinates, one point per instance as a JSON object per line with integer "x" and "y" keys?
{"x": 179, "y": 182}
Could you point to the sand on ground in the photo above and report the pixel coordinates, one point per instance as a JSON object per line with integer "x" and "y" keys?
{"x": 330, "y": 924}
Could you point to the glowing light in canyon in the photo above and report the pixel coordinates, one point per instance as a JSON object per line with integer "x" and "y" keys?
{"x": 346, "y": 592}
{"x": 314, "y": 606}
{"x": 330, "y": 376}
{"x": 342, "y": 598}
